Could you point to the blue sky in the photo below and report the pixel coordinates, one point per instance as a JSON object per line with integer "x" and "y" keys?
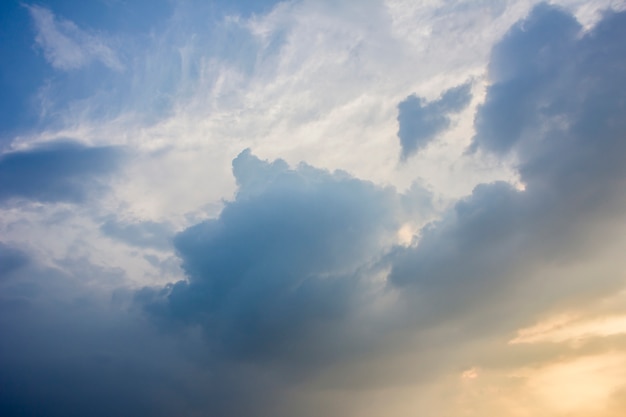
{"x": 306, "y": 208}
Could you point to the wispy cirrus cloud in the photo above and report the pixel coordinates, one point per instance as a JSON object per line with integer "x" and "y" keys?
{"x": 66, "y": 46}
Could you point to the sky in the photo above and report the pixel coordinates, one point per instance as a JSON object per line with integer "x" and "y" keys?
{"x": 313, "y": 207}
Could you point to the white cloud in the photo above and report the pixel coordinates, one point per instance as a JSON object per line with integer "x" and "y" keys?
{"x": 66, "y": 46}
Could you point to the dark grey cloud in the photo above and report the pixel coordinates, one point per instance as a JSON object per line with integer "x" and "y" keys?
{"x": 67, "y": 350}
{"x": 547, "y": 74}
{"x": 70, "y": 348}
{"x": 55, "y": 172}
{"x": 556, "y": 103}
{"x": 281, "y": 263}
{"x": 421, "y": 121}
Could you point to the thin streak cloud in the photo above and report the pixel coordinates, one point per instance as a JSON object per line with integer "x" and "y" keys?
{"x": 67, "y": 47}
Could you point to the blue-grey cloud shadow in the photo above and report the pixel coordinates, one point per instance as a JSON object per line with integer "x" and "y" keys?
{"x": 56, "y": 172}
{"x": 281, "y": 261}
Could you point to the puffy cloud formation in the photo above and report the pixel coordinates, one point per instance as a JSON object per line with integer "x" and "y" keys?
{"x": 54, "y": 172}
{"x": 420, "y": 121}
{"x": 555, "y": 103}
{"x": 285, "y": 261}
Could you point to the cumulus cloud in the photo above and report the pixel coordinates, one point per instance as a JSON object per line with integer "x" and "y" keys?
{"x": 66, "y": 46}
{"x": 282, "y": 263}
{"x": 55, "y": 172}
{"x": 555, "y": 103}
{"x": 421, "y": 121}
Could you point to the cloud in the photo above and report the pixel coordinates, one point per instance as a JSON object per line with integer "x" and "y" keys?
{"x": 11, "y": 259}
{"x": 145, "y": 234}
{"x": 297, "y": 300}
{"x": 68, "y": 348}
{"x": 287, "y": 274}
{"x": 420, "y": 121}
{"x": 66, "y": 46}
{"x": 55, "y": 172}
{"x": 282, "y": 262}
{"x": 247, "y": 7}
{"x": 555, "y": 105}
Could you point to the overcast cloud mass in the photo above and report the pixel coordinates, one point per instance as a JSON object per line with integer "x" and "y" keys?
{"x": 309, "y": 208}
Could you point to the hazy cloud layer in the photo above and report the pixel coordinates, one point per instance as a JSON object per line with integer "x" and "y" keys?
{"x": 421, "y": 121}
{"x": 54, "y": 172}
{"x": 67, "y": 350}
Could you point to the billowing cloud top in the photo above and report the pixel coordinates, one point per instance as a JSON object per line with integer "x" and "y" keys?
{"x": 283, "y": 262}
